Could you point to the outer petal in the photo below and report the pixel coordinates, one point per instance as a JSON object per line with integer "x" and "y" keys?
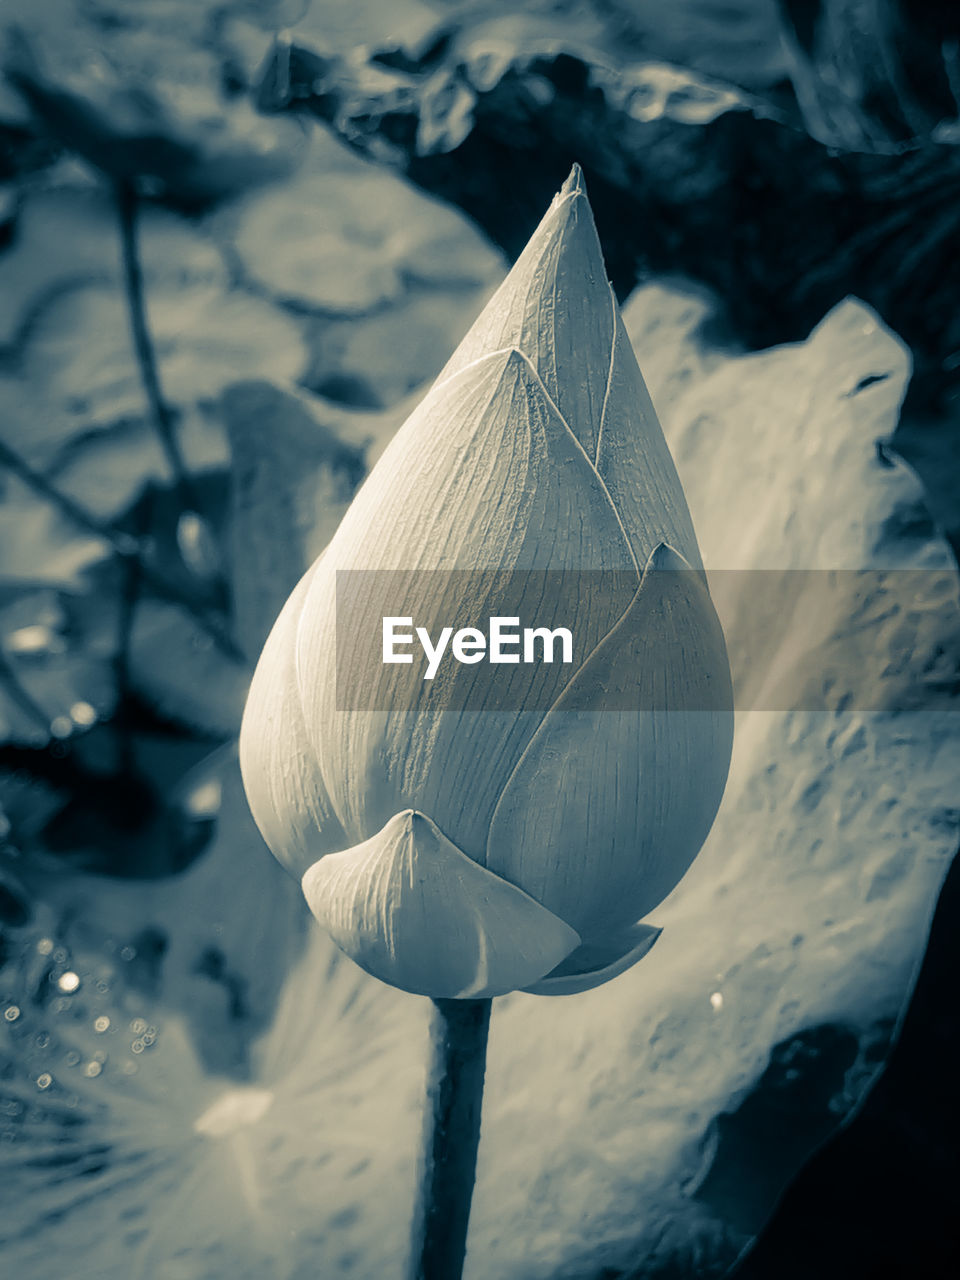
{"x": 484, "y": 475}
{"x": 281, "y": 776}
{"x": 558, "y": 309}
{"x": 608, "y": 807}
{"x": 635, "y": 463}
{"x": 596, "y": 962}
{"x": 414, "y": 911}
{"x": 555, "y": 306}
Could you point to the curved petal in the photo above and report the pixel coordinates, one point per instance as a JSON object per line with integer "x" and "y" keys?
{"x": 414, "y": 911}
{"x": 281, "y": 776}
{"x": 594, "y": 963}
{"x": 555, "y": 306}
{"x": 617, "y": 790}
{"x": 483, "y": 476}
{"x": 635, "y": 463}
{"x": 558, "y": 309}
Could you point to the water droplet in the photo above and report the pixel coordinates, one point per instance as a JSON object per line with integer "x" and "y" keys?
{"x": 101, "y": 1024}
{"x": 83, "y": 714}
{"x": 716, "y": 1001}
{"x": 204, "y": 801}
{"x": 33, "y": 639}
{"x": 61, "y": 726}
{"x": 45, "y": 946}
{"x": 197, "y": 545}
{"x": 44, "y": 1080}
{"x": 12, "y": 1012}
{"x": 69, "y": 982}
{"x": 92, "y": 1070}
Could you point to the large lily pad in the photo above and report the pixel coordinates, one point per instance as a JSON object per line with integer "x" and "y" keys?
{"x": 138, "y": 98}
{"x": 38, "y": 543}
{"x": 787, "y": 951}
{"x": 808, "y": 907}
{"x": 81, "y": 348}
{"x": 69, "y": 235}
{"x": 352, "y": 245}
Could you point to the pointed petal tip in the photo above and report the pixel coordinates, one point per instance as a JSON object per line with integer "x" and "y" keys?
{"x": 663, "y": 556}
{"x": 502, "y": 356}
{"x": 570, "y": 221}
{"x": 413, "y": 910}
{"x": 571, "y": 206}
{"x": 510, "y": 360}
{"x": 574, "y": 184}
{"x": 513, "y": 356}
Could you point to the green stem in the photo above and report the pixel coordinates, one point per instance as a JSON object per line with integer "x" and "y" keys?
{"x": 451, "y": 1134}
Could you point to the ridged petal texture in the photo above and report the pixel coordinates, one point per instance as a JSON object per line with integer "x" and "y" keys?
{"x": 635, "y": 464}
{"x": 281, "y": 776}
{"x": 557, "y": 307}
{"x": 414, "y": 911}
{"x": 484, "y": 475}
{"x": 609, "y": 805}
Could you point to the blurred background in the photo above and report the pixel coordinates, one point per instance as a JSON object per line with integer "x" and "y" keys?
{"x": 237, "y": 240}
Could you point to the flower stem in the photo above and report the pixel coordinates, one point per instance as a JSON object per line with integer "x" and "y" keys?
{"x": 161, "y": 414}
{"x": 451, "y": 1134}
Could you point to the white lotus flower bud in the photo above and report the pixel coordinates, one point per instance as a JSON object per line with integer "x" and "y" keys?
{"x": 465, "y": 853}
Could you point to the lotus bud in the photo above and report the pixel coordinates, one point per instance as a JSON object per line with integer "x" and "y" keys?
{"x": 465, "y": 853}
